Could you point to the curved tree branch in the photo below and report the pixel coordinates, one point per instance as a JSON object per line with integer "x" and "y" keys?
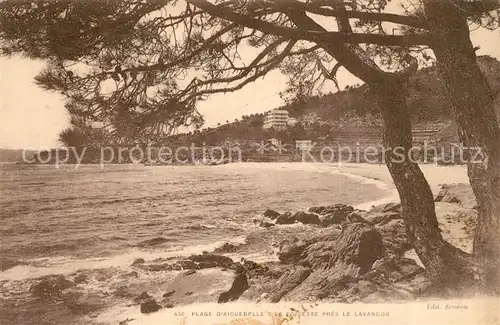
{"x": 309, "y": 35}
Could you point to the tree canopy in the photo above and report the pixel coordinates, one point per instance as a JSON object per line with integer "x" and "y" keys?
{"x": 142, "y": 66}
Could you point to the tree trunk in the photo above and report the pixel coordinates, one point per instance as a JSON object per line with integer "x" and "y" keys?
{"x": 473, "y": 110}
{"x": 447, "y": 266}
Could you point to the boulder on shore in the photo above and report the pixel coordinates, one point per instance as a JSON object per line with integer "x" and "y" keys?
{"x": 226, "y": 248}
{"x": 324, "y": 210}
{"x": 355, "y": 266}
{"x": 266, "y": 224}
{"x": 307, "y": 218}
{"x": 457, "y": 193}
{"x": 150, "y": 306}
{"x": 142, "y": 297}
{"x": 285, "y": 219}
{"x": 394, "y": 237}
{"x": 50, "y": 287}
{"x": 358, "y": 245}
{"x": 357, "y": 256}
{"x": 168, "y": 294}
{"x": 288, "y": 282}
{"x": 138, "y": 261}
{"x": 204, "y": 261}
{"x": 304, "y": 251}
{"x": 271, "y": 214}
{"x": 291, "y": 250}
{"x": 333, "y": 215}
{"x": 382, "y": 218}
{"x": 239, "y": 286}
{"x": 389, "y": 207}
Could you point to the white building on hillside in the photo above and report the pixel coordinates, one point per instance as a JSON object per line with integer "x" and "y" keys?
{"x": 277, "y": 119}
{"x": 97, "y": 125}
{"x": 292, "y": 121}
{"x": 303, "y": 145}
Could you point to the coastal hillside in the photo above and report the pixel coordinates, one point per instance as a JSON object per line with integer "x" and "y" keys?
{"x": 14, "y": 155}
{"x": 348, "y": 110}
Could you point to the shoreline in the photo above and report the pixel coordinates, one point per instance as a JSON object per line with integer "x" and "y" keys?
{"x": 213, "y": 313}
{"x": 365, "y": 174}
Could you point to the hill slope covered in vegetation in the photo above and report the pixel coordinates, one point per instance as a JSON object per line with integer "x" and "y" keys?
{"x": 353, "y": 107}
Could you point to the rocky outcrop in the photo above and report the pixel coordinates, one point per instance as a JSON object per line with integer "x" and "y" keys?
{"x": 142, "y": 297}
{"x": 239, "y": 286}
{"x": 285, "y": 219}
{"x": 357, "y": 248}
{"x": 381, "y": 218}
{"x": 304, "y": 250}
{"x": 394, "y": 237}
{"x": 150, "y": 306}
{"x": 204, "y": 261}
{"x": 226, "y": 248}
{"x": 461, "y": 194}
{"x": 290, "y": 250}
{"x": 266, "y": 224}
{"x": 194, "y": 262}
{"x": 346, "y": 255}
{"x": 358, "y": 245}
{"x": 50, "y": 287}
{"x": 389, "y": 207}
{"x": 307, "y": 218}
{"x": 324, "y": 216}
{"x": 138, "y": 261}
{"x": 392, "y": 278}
{"x": 333, "y": 214}
{"x": 321, "y": 285}
{"x": 358, "y": 262}
{"x": 288, "y": 282}
{"x": 271, "y": 214}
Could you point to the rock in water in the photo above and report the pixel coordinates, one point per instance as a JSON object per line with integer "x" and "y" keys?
{"x": 307, "y": 218}
{"x": 205, "y": 261}
{"x": 150, "y": 306}
{"x": 168, "y": 294}
{"x": 334, "y": 215}
{"x": 138, "y": 261}
{"x": 317, "y": 209}
{"x": 240, "y": 285}
{"x": 226, "y": 248}
{"x": 81, "y": 278}
{"x": 51, "y": 287}
{"x": 271, "y": 214}
{"x": 285, "y": 219}
{"x": 266, "y": 224}
{"x": 187, "y": 265}
{"x": 144, "y": 296}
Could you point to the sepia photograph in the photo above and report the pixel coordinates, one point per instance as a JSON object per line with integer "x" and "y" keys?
{"x": 249, "y": 162}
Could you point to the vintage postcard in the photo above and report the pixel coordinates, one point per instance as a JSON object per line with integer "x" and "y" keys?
{"x": 258, "y": 162}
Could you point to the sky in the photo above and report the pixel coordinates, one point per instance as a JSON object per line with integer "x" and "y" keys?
{"x": 31, "y": 118}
